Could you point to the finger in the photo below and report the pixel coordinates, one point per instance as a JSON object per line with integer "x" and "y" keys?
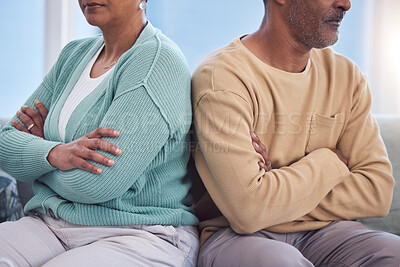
{"x": 88, "y": 154}
{"x": 269, "y": 166}
{"x": 264, "y": 155}
{"x": 255, "y": 138}
{"x": 342, "y": 158}
{"x": 261, "y": 150}
{"x": 99, "y": 144}
{"x": 42, "y": 109}
{"x": 80, "y": 163}
{"x": 34, "y": 115}
{"x": 19, "y": 126}
{"x": 258, "y": 149}
{"x": 26, "y": 115}
{"x": 263, "y": 166}
{"x": 24, "y": 118}
{"x": 103, "y": 132}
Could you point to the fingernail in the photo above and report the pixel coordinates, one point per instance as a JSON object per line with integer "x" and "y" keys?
{"x": 116, "y": 133}
{"x": 253, "y": 134}
{"x": 118, "y": 151}
{"x": 256, "y": 145}
{"x": 111, "y": 162}
{"x": 18, "y": 112}
{"x": 99, "y": 171}
{"x": 37, "y": 102}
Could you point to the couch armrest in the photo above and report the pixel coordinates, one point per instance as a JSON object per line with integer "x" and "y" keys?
{"x": 390, "y": 132}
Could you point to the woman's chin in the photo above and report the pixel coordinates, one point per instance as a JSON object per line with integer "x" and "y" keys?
{"x": 94, "y": 21}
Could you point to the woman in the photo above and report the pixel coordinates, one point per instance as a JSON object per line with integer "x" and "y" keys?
{"x": 109, "y": 176}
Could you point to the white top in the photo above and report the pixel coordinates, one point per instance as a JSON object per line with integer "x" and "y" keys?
{"x": 84, "y": 86}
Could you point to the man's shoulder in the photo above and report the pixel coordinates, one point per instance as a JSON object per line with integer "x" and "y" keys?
{"x": 222, "y": 70}
{"x": 330, "y": 60}
{"x": 229, "y": 54}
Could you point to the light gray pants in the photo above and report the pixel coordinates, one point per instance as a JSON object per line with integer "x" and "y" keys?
{"x": 43, "y": 241}
{"x": 345, "y": 243}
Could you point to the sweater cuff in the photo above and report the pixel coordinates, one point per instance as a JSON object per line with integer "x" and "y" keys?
{"x": 343, "y": 169}
{"x": 37, "y": 152}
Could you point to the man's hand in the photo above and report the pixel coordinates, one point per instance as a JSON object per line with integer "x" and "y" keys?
{"x": 74, "y": 155}
{"x": 33, "y": 120}
{"x": 340, "y": 155}
{"x": 261, "y": 149}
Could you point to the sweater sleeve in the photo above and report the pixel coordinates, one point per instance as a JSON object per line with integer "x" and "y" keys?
{"x": 22, "y": 155}
{"x": 144, "y": 132}
{"x": 252, "y": 199}
{"x": 368, "y": 189}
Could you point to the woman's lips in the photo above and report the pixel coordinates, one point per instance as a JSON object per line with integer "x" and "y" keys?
{"x": 92, "y": 6}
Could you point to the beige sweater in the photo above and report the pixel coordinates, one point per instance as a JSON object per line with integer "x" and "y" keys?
{"x": 298, "y": 116}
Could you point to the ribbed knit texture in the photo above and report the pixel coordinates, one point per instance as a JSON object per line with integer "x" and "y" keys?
{"x": 147, "y": 99}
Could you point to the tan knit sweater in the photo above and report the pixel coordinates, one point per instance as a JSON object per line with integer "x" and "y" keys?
{"x": 298, "y": 116}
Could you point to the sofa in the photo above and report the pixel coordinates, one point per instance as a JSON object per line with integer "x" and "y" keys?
{"x": 390, "y": 131}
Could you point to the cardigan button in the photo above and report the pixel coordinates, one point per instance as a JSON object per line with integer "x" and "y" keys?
{"x": 52, "y": 214}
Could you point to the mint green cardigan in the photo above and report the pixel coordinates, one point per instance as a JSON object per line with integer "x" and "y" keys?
{"x": 147, "y": 99}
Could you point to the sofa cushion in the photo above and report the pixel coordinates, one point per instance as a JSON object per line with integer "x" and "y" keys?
{"x": 10, "y": 208}
{"x": 390, "y": 131}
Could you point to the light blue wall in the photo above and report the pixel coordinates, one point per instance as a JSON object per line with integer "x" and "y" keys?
{"x": 21, "y": 52}
{"x": 352, "y": 34}
{"x": 201, "y": 26}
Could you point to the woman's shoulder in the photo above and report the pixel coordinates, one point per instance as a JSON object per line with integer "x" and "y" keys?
{"x": 156, "y": 49}
{"x": 77, "y": 47}
{"x": 169, "y": 47}
{"x": 80, "y": 44}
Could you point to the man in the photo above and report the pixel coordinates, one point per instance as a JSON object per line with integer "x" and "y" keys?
{"x": 323, "y": 164}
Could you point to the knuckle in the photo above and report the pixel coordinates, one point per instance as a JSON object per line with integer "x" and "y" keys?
{"x": 80, "y": 142}
{"x": 91, "y": 155}
{"x": 84, "y": 164}
{"x": 98, "y": 143}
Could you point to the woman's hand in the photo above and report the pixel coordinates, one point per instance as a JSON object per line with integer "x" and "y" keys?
{"x": 74, "y": 155}
{"x": 260, "y": 149}
{"x": 33, "y": 120}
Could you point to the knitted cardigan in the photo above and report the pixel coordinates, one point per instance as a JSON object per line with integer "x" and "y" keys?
{"x": 147, "y": 99}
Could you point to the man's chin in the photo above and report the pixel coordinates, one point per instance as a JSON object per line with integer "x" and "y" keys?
{"x": 327, "y": 41}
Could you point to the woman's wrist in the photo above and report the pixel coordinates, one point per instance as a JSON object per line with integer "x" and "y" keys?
{"x": 52, "y": 156}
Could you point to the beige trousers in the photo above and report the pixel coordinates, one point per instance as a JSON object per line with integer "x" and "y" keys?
{"x": 43, "y": 241}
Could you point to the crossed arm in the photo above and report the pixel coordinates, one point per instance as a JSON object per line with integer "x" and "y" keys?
{"x": 319, "y": 186}
{"x": 74, "y": 154}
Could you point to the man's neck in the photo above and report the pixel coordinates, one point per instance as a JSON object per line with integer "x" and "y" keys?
{"x": 275, "y": 46}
